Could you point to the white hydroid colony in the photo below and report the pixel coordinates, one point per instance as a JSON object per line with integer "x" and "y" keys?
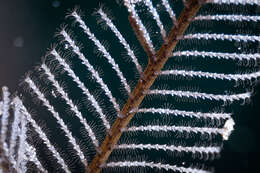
{"x": 58, "y": 124}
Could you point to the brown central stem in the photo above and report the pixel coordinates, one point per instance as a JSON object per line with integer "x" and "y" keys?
{"x": 144, "y": 83}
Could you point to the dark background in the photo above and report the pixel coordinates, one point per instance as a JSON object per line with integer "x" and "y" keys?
{"x": 26, "y": 31}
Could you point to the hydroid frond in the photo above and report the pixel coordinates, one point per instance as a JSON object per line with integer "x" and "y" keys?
{"x": 105, "y": 131}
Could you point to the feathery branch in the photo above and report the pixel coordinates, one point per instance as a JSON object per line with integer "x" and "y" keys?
{"x": 145, "y": 83}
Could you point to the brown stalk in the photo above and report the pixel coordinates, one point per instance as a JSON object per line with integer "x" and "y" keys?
{"x": 144, "y": 83}
{"x": 140, "y": 36}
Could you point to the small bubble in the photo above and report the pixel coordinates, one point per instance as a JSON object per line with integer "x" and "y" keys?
{"x": 55, "y": 4}
{"x": 18, "y": 42}
{"x": 66, "y": 46}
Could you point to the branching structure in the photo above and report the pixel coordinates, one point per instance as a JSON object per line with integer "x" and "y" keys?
{"x": 66, "y": 123}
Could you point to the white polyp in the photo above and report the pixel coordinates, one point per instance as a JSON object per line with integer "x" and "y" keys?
{"x": 121, "y": 40}
{"x": 15, "y": 130}
{"x": 164, "y": 128}
{"x": 133, "y": 13}
{"x": 5, "y": 118}
{"x": 191, "y": 114}
{"x": 238, "y": 37}
{"x": 237, "y": 2}
{"x": 219, "y": 55}
{"x": 31, "y": 156}
{"x": 21, "y": 157}
{"x": 69, "y": 102}
{"x": 43, "y": 136}
{"x": 156, "y": 17}
{"x": 55, "y": 114}
{"x": 232, "y": 17}
{"x": 228, "y": 128}
{"x": 102, "y": 49}
{"x": 85, "y": 91}
{"x": 169, "y": 9}
{"x": 221, "y": 76}
{"x": 159, "y": 166}
{"x": 85, "y": 62}
{"x": 172, "y": 148}
{"x": 196, "y": 95}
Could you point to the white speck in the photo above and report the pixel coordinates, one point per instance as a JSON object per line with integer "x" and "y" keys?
{"x": 53, "y": 93}
{"x": 66, "y": 46}
{"x": 18, "y": 42}
{"x": 239, "y": 48}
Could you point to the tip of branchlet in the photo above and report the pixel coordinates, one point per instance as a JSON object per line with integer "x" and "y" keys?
{"x": 75, "y": 11}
